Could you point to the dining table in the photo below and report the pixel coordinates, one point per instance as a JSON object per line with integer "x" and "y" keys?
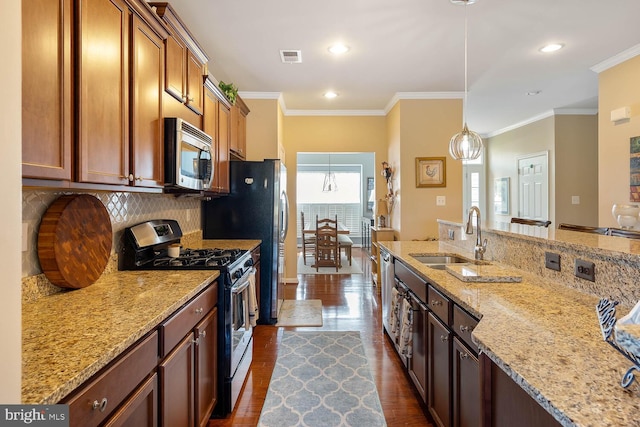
{"x": 310, "y": 229}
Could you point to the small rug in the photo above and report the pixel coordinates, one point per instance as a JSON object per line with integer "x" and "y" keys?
{"x": 354, "y": 268}
{"x": 303, "y": 312}
{"x": 321, "y": 379}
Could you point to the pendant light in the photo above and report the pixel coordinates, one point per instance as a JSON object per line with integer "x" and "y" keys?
{"x": 466, "y": 145}
{"x": 329, "y": 180}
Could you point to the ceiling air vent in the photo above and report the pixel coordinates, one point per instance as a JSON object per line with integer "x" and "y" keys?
{"x": 291, "y": 56}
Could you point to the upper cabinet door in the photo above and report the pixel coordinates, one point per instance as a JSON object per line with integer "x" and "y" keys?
{"x": 195, "y": 73}
{"x": 176, "y": 52}
{"x": 46, "y": 89}
{"x": 148, "y": 82}
{"x": 103, "y": 100}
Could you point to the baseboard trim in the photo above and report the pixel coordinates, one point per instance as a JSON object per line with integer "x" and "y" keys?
{"x": 290, "y": 280}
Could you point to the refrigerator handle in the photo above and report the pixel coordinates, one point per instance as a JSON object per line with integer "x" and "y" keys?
{"x": 285, "y": 216}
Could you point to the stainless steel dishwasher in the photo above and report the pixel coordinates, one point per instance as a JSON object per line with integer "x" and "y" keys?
{"x": 386, "y": 283}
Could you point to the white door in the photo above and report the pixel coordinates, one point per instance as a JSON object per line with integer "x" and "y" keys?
{"x": 533, "y": 187}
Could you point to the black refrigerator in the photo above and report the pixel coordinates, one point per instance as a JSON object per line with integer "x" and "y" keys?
{"x": 256, "y": 208}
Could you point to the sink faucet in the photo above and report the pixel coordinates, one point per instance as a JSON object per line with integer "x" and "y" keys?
{"x": 481, "y": 246}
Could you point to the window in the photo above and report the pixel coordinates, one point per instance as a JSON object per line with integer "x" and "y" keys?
{"x": 309, "y": 186}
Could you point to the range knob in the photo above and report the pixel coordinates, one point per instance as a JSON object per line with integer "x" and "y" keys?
{"x": 237, "y": 274}
{"x": 249, "y": 262}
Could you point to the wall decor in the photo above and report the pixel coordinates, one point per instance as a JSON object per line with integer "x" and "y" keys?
{"x": 634, "y": 169}
{"x": 501, "y": 196}
{"x": 371, "y": 197}
{"x": 431, "y": 172}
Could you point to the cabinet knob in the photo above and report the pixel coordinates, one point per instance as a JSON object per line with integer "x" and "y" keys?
{"x": 464, "y": 329}
{"x": 199, "y": 310}
{"x": 444, "y": 338}
{"x": 131, "y": 177}
{"x": 464, "y": 355}
{"x": 138, "y": 178}
{"x": 190, "y": 99}
{"x": 101, "y": 406}
{"x": 203, "y": 334}
{"x": 436, "y": 302}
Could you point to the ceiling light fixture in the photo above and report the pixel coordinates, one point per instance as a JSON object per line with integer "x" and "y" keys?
{"x": 534, "y": 92}
{"x": 338, "y": 48}
{"x": 466, "y": 145}
{"x": 551, "y": 47}
{"x": 329, "y": 183}
{"x": 330, "y": 95}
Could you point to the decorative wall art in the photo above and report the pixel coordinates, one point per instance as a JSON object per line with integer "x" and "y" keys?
{"x": 501, "y": 196}
{"x": 431, "y": 172}
{"x": 634, "y": 169}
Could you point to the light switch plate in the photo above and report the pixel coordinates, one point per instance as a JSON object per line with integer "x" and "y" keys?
{"x": 575, "y": 200}
{"x": 441, "y": 200}
{"x": 552, "y": 261}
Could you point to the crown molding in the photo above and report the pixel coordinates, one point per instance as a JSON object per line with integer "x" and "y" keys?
{"x": 335, "y": 113}
{"x": 421, "y": 95}
{"x": 623, "y": 56}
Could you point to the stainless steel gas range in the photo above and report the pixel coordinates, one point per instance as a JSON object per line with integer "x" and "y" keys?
{"x": 147, "y": 247}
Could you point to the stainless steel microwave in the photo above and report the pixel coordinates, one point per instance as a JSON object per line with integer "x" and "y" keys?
{"x": 188, "y": 159}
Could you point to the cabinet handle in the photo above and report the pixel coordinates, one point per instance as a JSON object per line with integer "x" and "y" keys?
{"x": 444, "y": 338}
{"x": 203, "y": 334}
{"x": 199, "y": 310}
{"x": 102, "y": 405}
{"x": 436, "y": 302}
{"x": 190, "y": 99}
{"x": 131, "y": 177}
{"x": 464, "y": 355}
{"x": 138, "y": 178}
{"x": 464, "y": 329}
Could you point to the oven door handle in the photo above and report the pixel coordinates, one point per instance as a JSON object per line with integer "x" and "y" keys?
{"x": 236, "y": 289}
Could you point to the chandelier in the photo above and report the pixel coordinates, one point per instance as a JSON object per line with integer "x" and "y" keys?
{"x": 466, "y": 145}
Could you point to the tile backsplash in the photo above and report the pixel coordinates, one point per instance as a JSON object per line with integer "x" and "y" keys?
{"x": 125, "y": 209}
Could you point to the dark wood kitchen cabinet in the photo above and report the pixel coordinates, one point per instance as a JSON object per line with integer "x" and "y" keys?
{"x": 505, "y": 403}
{"x": 439, "y": 371}
{"x": 188, "y": 370}
{"x": 123, "y": 393}
{"x": 238, "y": 130}
{"x": 465, "y": 386}
{"x": 119, "y": 94}
{"x": 216, "y": 124}
{"x": 185, "y": 61}
{"x": 47, "y": 89}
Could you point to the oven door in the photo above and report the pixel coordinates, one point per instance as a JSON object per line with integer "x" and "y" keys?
{"x": 241, "y": 329}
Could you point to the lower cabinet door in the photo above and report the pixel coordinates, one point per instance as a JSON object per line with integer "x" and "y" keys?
{"x": 141, "y": 409}
{"x": 177, "y": 386}
{"x": 466, "y": 386}
{"x": 439, "y": 372}
{"x": 206, "y": 367}
{"x": 417, "y": 365}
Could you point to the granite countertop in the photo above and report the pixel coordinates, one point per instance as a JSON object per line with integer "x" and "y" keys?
{"x": 544, "y": 335}
{"x": 69, "y": 336}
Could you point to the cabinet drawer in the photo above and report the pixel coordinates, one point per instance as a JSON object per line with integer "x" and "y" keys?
{"x": 413, "y": 282}
{"x": 95, "y": 401}
{"x": 182, "y": 321}
{"x": 463, "y": 324}
{"x": 439, "y": 304}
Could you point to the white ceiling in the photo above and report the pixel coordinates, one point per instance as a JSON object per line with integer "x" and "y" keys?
{"x": 415, "y": 49}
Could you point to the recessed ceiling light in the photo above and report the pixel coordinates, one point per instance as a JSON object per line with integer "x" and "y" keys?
{"x": 330, "y": 95}
{"x": 534, "y": 92}
{"x": 551, "y": 47}
{"x": 338, "y": 48}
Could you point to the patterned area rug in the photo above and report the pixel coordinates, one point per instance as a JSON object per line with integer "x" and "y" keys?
{"x": 321, "y": 379}
{"x": 354, "y": 268}
{"x": 301, "y": 312}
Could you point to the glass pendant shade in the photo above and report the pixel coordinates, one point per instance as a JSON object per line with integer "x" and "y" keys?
{"x": 466, "y": 145}
{"x": 329, "y": 182}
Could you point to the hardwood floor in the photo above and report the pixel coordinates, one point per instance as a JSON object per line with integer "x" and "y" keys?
{"x": 349, "y": 303}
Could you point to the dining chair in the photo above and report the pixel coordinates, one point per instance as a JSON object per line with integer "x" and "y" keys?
{"x": 536, "y": 222}
{"x": 327, "y": 248}
{"x": 308, "y": 241}
{"x": 584, "y": 228}
{"x": 629, "y": 234}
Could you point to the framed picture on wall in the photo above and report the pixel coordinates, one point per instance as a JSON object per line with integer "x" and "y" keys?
{"x": 431, "y": 172}
{"x": 501, "y": 196}
{"x": 371, "y": 197}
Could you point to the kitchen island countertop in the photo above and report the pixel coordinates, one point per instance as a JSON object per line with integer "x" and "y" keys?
{"x": 544, "y": 335}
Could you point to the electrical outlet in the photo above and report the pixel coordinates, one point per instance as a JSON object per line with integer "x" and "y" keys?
{"x": 575, "y": 200}
{"x": 451, "y": 234}
{"x": 552, "y": 261}
{"x": 441, "y": 200}
{"x": 585, "y": 270}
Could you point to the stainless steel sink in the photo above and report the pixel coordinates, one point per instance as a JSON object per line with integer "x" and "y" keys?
{"x": 439, "y": 262}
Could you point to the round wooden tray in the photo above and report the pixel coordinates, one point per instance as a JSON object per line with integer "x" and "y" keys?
{"x": 74, "y": 241}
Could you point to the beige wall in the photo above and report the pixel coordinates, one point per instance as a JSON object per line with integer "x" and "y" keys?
{"x": 576, "y": 171}
{"x": 618, "y": 87}
{"x": 394, "y": 159}
{"x": 503, "y": 152}
{"x": 10, "y": 174}
{"x": 426, "y": 126}
{"x": 327, "y": 134}
{"x": 262, "y": 129}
